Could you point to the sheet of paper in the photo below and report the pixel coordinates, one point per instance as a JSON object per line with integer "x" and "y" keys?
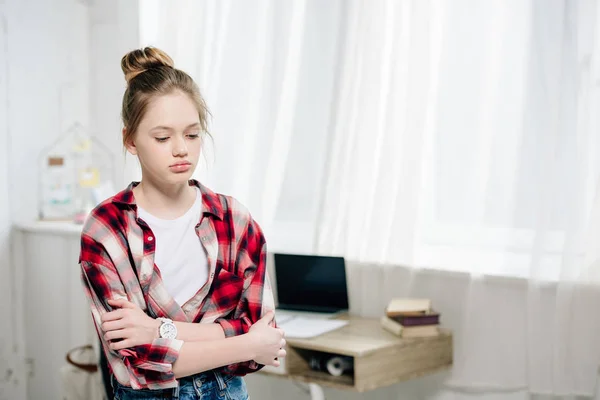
{"x": 302, "y": 328}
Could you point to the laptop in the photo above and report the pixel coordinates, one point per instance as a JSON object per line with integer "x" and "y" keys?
{"x": 309, "y": 286}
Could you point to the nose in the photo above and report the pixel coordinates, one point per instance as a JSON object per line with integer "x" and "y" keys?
{"x": 179, "y": 148}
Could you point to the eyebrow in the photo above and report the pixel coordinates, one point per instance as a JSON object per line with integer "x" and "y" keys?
{"x": 167, "y": 128}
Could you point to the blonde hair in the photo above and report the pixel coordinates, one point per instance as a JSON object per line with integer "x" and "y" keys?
{"x": 150, "y": 72}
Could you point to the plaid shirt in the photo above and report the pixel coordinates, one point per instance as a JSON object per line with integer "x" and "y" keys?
{"x": 117, "y": 261}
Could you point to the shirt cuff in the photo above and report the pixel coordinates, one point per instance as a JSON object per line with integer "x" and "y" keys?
{"x": 231, "y": 327}
{"x": 158, "y": 356}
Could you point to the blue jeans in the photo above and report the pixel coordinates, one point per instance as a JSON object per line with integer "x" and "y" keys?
{"x": 210, "y": 385}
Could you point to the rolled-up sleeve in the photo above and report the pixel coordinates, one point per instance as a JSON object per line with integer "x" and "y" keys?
{"x": 257, "y": 295}
{"x": 148, "y": 366}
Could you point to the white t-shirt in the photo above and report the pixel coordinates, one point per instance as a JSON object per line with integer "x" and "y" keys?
{"x": 179, "y": 255}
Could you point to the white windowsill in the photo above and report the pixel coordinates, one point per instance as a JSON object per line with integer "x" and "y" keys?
{"x": 56, "y": 227}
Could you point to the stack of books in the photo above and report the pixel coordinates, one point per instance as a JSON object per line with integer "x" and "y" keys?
{"x": 411, "y": 318}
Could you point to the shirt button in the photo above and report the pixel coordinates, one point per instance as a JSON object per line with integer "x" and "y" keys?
{"x": 150, "y": 238}
{"x": 204, "y": 238}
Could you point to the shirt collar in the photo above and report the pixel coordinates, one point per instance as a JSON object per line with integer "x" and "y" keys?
{"x": 210, "y": 200}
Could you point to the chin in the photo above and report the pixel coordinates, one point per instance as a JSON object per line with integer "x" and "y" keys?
{"x": 180, "y": 178}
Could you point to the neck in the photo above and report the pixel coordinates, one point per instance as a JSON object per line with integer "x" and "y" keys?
{"x": 167, "y": 202}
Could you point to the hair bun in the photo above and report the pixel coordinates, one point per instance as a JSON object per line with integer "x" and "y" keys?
{"x": 137, "y": 61}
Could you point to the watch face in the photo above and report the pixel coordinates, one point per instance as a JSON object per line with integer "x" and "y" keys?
{"x": 168, "y": 331}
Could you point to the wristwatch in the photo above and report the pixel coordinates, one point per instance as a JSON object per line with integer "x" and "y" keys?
{"x": 167, "y": 329}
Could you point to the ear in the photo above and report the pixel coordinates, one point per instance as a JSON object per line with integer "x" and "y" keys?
{"x": 129, "y": 144}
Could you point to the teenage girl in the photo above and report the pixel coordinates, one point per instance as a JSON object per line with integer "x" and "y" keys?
{"x": 175, "y": 273}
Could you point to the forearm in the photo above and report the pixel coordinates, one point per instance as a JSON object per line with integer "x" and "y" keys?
{"x": 196, "y": 332}
{"x": 196, "y": 357}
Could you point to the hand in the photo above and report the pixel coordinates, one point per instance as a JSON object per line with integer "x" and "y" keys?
{"x": 128, "y": 326}
{"x": 266, "y": 341}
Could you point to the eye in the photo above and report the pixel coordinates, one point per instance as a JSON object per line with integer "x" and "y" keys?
{"x": 193, "y": 135}
{"x": 161, "y": 139}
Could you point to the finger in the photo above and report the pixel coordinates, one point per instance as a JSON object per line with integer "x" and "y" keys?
{"x": 123, "y": 344}
{"x": 113, "y": 325}
{"x": 121, "y": 303}
{"x": 268, "y": 317}
{"x": 117, "y": 334}
{"x": 275, "y": 363}
{"x": 116, "y": 302}
{"x": 128, "y": 304}
{"x": 281, "y": 354}
{"x": 281, "y": 332}
{"x": 112, "y": 315}
{"x": 282, "y": 343}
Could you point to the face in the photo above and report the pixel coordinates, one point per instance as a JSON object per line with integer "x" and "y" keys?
{"x": 168, "y": 139}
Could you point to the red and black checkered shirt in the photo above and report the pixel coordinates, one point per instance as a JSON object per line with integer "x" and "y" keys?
{"x": 117, "y": 261}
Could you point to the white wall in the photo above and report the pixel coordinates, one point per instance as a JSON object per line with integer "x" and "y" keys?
{"x": 114, "y": 31}
{"x": 11, "y": 364}
{"x": 59, "y": 64}
{"x": 44, "y": 87}
{"x": 64, "y": 66}
{"x": 48, "y": 89}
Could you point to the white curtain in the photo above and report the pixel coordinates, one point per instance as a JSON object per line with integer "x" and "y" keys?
{"x": 266, "y": 69}
{"x": 466, "y": 138}
{"x": 438, "y": 135}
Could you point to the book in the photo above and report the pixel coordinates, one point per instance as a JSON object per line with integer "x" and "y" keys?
{"x": 429, "y": 318}
{"x": 408, "y": 331}
{"x": 407, "y": 306}
{"x": 391, "y": 326}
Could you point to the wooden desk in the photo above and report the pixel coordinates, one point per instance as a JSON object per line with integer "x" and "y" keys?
{"x": 380, "y": 358}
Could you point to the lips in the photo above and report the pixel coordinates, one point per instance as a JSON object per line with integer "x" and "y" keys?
{"x": 181, "y": 164}
{"x": 180, "y": 167}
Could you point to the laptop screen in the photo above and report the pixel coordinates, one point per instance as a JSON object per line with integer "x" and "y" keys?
{"x": 311, "y": 283}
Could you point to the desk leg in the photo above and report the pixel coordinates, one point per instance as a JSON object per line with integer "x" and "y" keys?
{"x": 316, "y": 392}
